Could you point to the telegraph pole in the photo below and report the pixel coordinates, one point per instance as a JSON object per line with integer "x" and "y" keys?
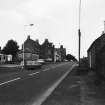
{"x": 104, "y": 26}
{"x": 79, "y": 33}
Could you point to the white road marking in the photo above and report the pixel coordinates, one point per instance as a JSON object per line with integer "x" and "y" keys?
{"x": 46, "y": 69}
{"x": 33, "y": 73}
{"x": 10, "y": 81}
{"x": 57, "y": 66}
{"x": 74, "y": 85}
{"x": 39, "y": 100}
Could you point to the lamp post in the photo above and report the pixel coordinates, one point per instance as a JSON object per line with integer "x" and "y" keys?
{"x": 79, "y": 33}
{"x": 23, "y": 46}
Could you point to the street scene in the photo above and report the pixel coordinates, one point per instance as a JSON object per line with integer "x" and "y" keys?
{"x": 52, "y": 52}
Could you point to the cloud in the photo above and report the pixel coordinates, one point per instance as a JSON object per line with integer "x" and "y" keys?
{"x": 10, "y": 4}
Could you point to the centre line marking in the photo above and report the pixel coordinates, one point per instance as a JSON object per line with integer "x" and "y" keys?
{"x": 10, "y": 81}
{"x": 33, "y": 73}
{"x": 46, "y": 69}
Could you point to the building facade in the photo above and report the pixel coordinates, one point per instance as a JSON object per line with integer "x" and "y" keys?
{"x": 60, "y": 54}
{"x": 5, "y": 58}
{"x": 63, "y": 53}
{"x": 47, "y": 50}
{"x": 31, "y": 50}
{"x": 57, "y": 55}
{"x": 94, "y": 50}
{"x": 96, "y": 55}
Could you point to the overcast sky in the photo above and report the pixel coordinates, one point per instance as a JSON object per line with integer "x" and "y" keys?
{"x": 56, "y": 20}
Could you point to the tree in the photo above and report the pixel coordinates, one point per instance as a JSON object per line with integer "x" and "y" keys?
{"x": 70, "y": 57}
{"x": 11, "y": 48}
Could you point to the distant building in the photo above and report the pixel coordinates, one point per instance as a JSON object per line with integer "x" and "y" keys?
{"x": 63, "y": 53}
{"x": 31, "y": 49}
{"x": 47, "y": 50}
{"x": 4, "y": 58}
{"x": 0, "y": 50}
{"x": 57, "y": 55}
{"x": 60, "y": 54}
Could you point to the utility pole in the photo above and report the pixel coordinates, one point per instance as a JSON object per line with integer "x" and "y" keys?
{"x": 79, "y": 49}
{"x": 79, "y": 33}
{"x": 104, "y": 26}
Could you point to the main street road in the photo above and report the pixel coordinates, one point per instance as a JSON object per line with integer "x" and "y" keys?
{"x": 32, "y": 88}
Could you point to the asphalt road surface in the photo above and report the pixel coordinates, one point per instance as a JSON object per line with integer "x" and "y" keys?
{"x": 32, "y": 87}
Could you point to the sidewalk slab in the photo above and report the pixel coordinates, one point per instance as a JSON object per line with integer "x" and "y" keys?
{"x": 92, "y": 94}
{"x": 77, "y": 90}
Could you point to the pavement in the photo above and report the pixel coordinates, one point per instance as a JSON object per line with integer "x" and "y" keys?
{"x": 78, "y": 89}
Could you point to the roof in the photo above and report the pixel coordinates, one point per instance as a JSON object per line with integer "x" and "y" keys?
{"x": 91, "y": 46}
{"x": 98, "y": 43}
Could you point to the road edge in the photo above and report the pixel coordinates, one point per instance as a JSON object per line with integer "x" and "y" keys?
{"x": 48, "y": 92}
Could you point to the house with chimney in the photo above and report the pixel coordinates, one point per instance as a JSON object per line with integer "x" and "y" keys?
{"x": 47, "y": 51}
{"x": 31, "y": 49}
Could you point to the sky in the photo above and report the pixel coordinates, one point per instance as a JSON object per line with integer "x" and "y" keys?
{"x": 56, "y": 20}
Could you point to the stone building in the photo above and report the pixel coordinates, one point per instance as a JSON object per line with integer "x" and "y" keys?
{"x": 63, "y": 53}
{"x": 60, "y": 54}
{"x": 47, "y": 50}
{"x": 96, "y": 55}
{"x": 31, "y": 49}
{"x": 94, "y": 50}
{"x": 57, "y": 55}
